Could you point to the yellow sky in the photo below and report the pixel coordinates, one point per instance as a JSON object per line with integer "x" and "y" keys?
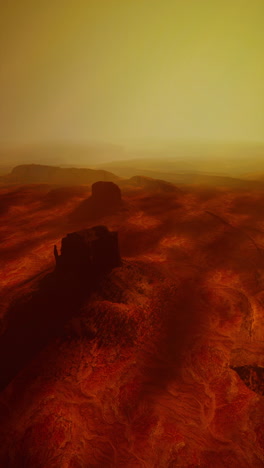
{"x": 114, "y": 70}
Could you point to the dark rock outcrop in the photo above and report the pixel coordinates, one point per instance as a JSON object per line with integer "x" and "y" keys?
{"x": 34, "y": 320}
{"x": 105, "y": 200}
{"x": 252, "y": 376}
{"x": 88, "y": 252}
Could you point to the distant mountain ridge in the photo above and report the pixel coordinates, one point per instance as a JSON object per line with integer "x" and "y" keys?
{"x": 41, "y": 174}
{"x": 188, "y": 177}
{"x": 150, "y": 179}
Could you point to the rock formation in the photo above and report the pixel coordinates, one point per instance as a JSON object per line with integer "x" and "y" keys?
{"x": 88, "y": 252}
{"x": 106, "y": 191}
{"x": 34, "y": 320}
{"x": 105, "y": 200}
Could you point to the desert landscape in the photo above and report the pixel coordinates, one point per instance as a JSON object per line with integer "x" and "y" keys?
{"x": 161, "y": 364}
{"x": 132, "y": 234}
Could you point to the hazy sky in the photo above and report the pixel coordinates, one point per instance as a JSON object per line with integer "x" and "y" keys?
{"x": 114, "y": 70}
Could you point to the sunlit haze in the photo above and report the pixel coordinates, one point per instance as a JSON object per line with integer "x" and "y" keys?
{"x": 131, "y": 71}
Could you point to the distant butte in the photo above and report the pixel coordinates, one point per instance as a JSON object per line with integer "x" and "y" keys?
{"x": 105, "y": 200}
